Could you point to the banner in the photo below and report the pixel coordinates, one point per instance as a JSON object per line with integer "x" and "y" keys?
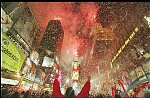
{"x": 12, "y": 57}
{"x": 9, "y": 81}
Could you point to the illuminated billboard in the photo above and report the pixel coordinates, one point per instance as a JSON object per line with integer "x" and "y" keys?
{"x": 12, "y": 57}
{"x": 9, "y": 81}
{"x": 75, "y": 75}
{"x": 75, "y": 72}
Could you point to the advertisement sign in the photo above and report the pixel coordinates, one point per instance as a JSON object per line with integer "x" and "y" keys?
{"x": 6, "y": 22}
{"x": 35, "y": 86}
{"x": 12, "y": 57}
{"x": 9, "y": 81}
{"x": 30, "y": 75}
{"x": 25, "y": 85}
{"x": 75, "y": 73}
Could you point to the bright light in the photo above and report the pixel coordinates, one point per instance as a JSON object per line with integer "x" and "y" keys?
{"x": 111, "y": 65}
{"x": 67, "y": 81}
{"x": 94, "y": 16}
{"x": 47, "y": 84}
{"x": 148, "y": 19}
{"x": 136, "y": 29}
{"x": 62, "y": 90}
{"x": 9, "y": 81}
{"x": 126, "y": 42}
{"x": 118, "y": 66}
{"x": 56, "y": 70}
{"x": 59, "y": 73}
{"x": 74, "y": 87}
{"x": 52, "y": 75}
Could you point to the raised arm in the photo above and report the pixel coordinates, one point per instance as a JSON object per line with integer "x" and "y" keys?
{"x": 56, "y": 90}
{"x": 85, "y": 90}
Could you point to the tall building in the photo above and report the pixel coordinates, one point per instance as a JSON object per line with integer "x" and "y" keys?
{"x": 51, "y": 43}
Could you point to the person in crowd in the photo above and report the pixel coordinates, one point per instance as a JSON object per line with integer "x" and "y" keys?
{"x": 147, "y": 95}
{"x": 3, "y": 92}
{"x": 42, "y": 95}
{"x": 22, "y": 94}
{"x": 99, "y": 96}
{"x": 8, "y": 94}
{"x": 33, "y": 95}
{"x": 27, "y": 95}
{"x": 70, "y": 91}
{"x": 37, "y": 95}
{"x": 47, "y": 95}
{"x": 15, "y": 95}
{"x": 117, "y": 96}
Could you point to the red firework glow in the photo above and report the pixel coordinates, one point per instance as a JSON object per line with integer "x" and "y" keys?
{"x": 75, "y": 19}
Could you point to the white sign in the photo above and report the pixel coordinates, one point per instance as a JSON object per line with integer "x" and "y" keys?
{"x": 48, "y": 62}
{"x": 9, "y": 81}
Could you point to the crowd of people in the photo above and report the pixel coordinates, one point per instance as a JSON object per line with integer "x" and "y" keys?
{"x": 6, "y": 93}
{"x": 102, "y": 96}
{"x": 56, "y": 93}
